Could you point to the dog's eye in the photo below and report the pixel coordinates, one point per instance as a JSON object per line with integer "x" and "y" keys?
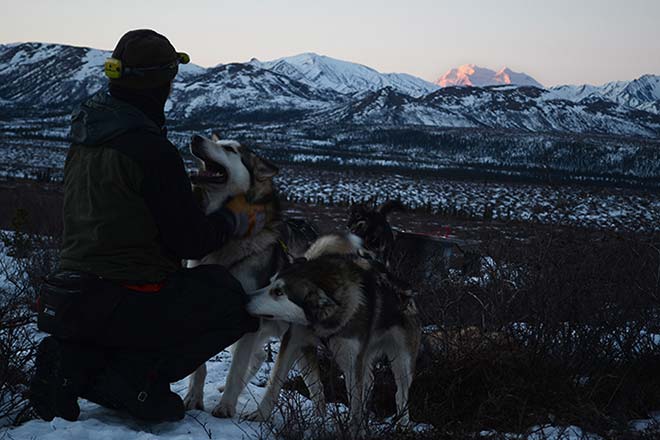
{"x": 277, "y": 291}
{"x": 229, "y": 149}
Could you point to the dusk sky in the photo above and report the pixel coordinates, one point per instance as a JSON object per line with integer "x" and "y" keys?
{"x": 555, "y": 41}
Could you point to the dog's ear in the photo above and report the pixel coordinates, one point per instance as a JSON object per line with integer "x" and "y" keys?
{"x": 215, "y": 136}
{"x": 265, "y": 169}
{"x": 326, "y": 305}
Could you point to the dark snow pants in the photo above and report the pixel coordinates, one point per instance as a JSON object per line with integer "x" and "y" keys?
{"x": 167, "y": 334}
{"x": 197, "y": 314}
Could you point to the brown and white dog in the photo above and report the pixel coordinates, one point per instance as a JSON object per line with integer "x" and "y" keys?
{"x": 228, "y": 169}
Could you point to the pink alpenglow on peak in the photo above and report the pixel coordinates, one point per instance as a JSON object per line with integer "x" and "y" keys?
{"x": 475, "y": 76}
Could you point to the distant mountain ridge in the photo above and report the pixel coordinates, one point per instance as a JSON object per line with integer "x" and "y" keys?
{"x": 642, "y": 93}
{"x": 475, "y": 76}
{"x": 314, "y": 89}
{"x": 499, "y": 107}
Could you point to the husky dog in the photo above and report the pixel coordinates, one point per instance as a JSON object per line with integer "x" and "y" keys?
{"x": 227, "y": 169}
{"x": 342, "y": 300}
{"x": 371, "y": 225}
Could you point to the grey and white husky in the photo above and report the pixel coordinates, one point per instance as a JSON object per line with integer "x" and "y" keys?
{"x": 227, "y": 169}
{"x": 338, "y": 298}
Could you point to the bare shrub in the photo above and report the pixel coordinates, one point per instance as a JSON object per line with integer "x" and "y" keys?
{"x": 559, "y": 329}
{"x": 24, "y": 259}
{"x": 17, "y": 348}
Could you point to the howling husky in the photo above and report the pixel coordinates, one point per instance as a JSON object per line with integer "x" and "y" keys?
{"x": 228, "y": 169}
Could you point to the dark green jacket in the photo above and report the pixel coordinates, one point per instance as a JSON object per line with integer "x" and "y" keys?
{"x": 129, "y": 211}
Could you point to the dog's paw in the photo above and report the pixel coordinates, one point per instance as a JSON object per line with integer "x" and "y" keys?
{"x": 404, "y": 423}
{"x": 224, "y": 411}
{"x": 193, "y": 401}
{"x": 256, "y": 416}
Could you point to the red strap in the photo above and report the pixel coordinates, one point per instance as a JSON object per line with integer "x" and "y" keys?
{"x": 147, "y": 288}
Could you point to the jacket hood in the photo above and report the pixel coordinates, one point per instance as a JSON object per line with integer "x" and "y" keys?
{"x": 103, "y": 117}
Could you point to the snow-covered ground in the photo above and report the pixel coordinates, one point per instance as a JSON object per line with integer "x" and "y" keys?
{"x": 102, "y": 424}
{"x": 594, "y": 207}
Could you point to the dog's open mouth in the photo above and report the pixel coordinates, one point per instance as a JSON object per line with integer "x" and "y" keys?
{"x": 212, "y": 173}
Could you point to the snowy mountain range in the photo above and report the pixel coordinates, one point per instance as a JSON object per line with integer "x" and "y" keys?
{"x": 315, "y": 89}
{"x": 502, "y": 107}
{"x": 642, "y": 93}
{"x": 475, "y": 76}
{"x": 343, "y": 76}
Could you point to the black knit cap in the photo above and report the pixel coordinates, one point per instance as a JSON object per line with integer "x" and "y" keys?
{"x": 145, "y": 48}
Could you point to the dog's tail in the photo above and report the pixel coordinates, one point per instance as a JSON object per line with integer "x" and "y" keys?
{"x": 334, "y": 244}
{"x": 389, "y": 206}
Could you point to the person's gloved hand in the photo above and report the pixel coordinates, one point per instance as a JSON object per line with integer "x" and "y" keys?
{"x": 249, "y": 219}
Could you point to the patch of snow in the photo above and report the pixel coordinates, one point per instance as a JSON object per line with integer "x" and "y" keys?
{"x": 92, "y": 64}
{"x": 548, "y": 432}
{"x": 101, "y": 423}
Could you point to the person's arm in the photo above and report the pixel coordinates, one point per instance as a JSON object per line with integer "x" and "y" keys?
{"x": 185, "y": 231}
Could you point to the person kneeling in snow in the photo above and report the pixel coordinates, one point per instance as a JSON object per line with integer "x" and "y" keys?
{"x": 125, "y": 320}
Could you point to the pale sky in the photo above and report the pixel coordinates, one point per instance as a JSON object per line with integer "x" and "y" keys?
{"x": 555, "y": 41}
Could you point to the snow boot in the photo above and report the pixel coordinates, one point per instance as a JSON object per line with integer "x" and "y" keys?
{"x": 51, "y": 393}
{"x": 153, "y": 401}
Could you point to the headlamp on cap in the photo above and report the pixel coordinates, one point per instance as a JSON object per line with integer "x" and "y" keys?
{"x": 114, "y": 69}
